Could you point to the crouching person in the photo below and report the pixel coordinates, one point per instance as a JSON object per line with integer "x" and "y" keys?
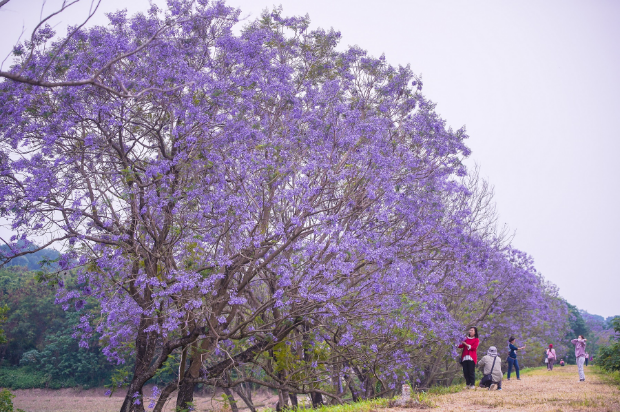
{"x": 491, "y": 366}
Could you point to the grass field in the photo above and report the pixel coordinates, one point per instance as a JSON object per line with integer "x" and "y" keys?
{"x": 538, "y": 390}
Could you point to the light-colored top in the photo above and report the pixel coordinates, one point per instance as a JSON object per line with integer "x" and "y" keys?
{"x": 580, "y": 347}
{"x": 551, "y": 353}
{"x": 485, "y": 364}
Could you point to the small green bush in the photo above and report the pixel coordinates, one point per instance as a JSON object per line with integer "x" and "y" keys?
{"x": 28, "y": 378}
{"x": 6, "y": 401}
{"x": 608, "y": 357}
{"x": 22, "y": 378}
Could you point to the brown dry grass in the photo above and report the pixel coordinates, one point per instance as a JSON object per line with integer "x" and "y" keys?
{"x": 540, "y": 391}
{"x": 94, "y": 400}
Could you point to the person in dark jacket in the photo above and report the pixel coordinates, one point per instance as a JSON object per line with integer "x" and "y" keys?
{"x": 469, "y": 357}
{"x": 512, "y": 358}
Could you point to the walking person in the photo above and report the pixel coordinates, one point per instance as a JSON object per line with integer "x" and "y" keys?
{"x": 512, "y": 358}
{"x": 580, "y": 354}
{"x": 550, "y": 357}
{"x": 587, "y": 357}
{"x": 469, "y": 357}
{"x": 491, "y": 365}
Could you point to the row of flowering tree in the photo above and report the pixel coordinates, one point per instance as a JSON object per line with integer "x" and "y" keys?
{"x": 264, "y": 207}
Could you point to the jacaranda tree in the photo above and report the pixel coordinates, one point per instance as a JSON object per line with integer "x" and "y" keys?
{"x": 260, "y": 202}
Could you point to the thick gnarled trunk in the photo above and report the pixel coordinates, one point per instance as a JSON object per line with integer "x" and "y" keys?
{"x": 145, "y": 350}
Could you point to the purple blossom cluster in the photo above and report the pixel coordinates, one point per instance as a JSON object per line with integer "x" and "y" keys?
{"x": 259, "y": 202}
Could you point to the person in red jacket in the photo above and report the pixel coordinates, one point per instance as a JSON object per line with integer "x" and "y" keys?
{"x": 469, "y": 358}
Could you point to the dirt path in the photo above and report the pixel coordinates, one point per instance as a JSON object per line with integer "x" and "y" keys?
{"x": 540, "y": 391}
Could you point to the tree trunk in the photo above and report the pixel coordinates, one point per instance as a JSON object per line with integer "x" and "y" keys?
{"x": 245, "y": 393}
{"x": 282, "y": 400}
{"x": 145, "y": 348}
{"x": 367, "y": 382}
{"x": 293, "y": 397}
{"x": 165, "y": 394}
{"x": 354, "y": 392}
{"x": 185, "y": 397}
{"x": 317, "y": 399}
{"x": 231, "y": 400}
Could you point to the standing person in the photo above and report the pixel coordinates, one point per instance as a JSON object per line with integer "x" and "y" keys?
{"x": 491, "y": 364}
{"x": 580, "y": 354}
{"x": 512, "y": 358}
{"x": 550, "y": 357}
{"x": 587, "y": 357}
{"x": 469, "y": 357}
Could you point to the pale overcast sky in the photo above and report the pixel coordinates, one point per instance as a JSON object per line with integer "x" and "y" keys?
{"x": 536, "y": 83}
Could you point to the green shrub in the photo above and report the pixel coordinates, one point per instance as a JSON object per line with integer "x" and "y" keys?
{"x": 23, "y": 378}
{"x": 29, "y": 377}
{"x": 608, "y": 357}
{"x": 6, "y": 401}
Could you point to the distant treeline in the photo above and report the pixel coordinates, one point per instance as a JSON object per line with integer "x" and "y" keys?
{"x": 40, "y": 351}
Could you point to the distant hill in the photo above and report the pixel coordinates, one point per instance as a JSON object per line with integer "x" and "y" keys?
{"x": 31, "y": 261}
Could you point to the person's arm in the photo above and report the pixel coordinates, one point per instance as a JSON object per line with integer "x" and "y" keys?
{"x": 574, "y": 341}
{"x": 474, "y": 344}
{"x": 461, "y": 346}
{"x": 481, "y": 363}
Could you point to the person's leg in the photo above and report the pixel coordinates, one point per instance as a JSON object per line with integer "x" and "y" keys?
{"x": 586, "y": 361}
{"x": 551, "y": 361}
{"x": 580, "y": 361}
{"x": 471, "y": 373}
{"x": 465, "y": 375}
{"x": 510, "y": 361}
{"x": 517, "y": 368}
{"x": 467, "y": 365}
{"x": 499, "y": 385}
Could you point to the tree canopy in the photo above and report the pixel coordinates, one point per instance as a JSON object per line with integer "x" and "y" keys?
{"x": 267, "y": 207}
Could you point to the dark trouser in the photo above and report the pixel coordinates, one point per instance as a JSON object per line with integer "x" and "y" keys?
{"x": 469, "y": 371}
{"x": 586, "y": 361}
{"x": 515, "y": 362}
{"x": 550, "y": 364}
